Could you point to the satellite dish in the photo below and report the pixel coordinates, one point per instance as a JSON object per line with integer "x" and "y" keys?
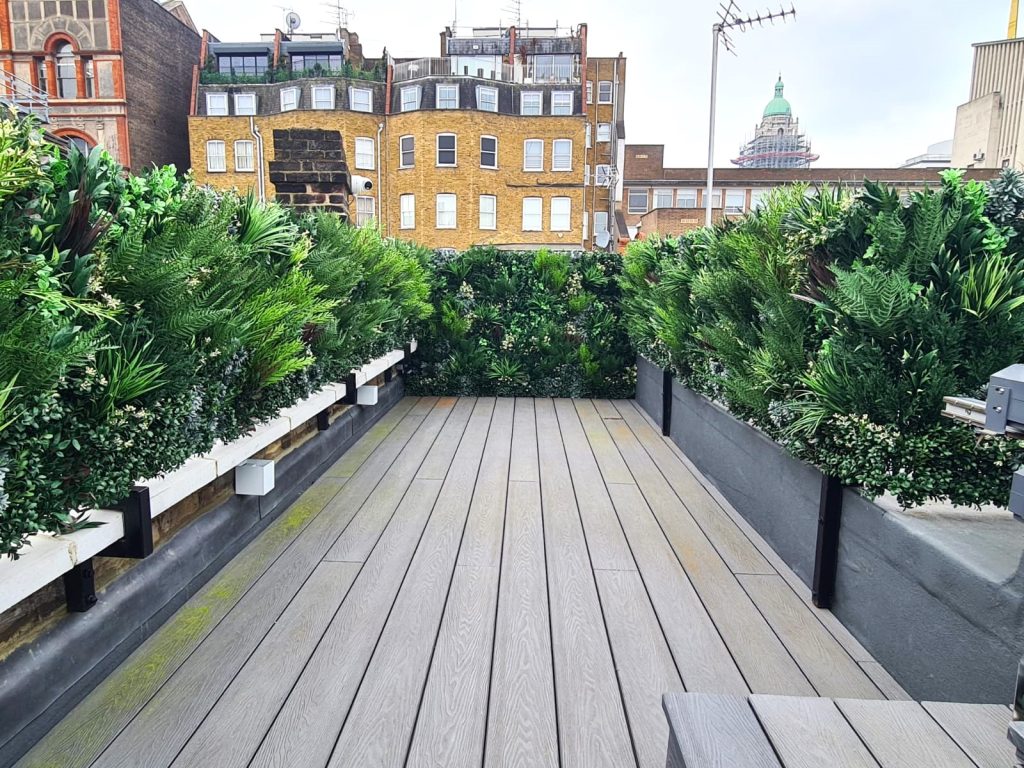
{"x": 292, "y": 21}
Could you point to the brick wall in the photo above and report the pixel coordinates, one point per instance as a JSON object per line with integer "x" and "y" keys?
{"x": 309, "y": 169}
{"x": 159, "y": 53}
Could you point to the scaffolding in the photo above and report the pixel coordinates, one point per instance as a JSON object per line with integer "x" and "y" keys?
{"x": 777, "y": 142}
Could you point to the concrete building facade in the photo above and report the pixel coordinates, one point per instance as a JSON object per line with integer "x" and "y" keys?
{"x": 989, "y": 127}
{"x": 114, "y": 72}
{"x": 512, "y": 137}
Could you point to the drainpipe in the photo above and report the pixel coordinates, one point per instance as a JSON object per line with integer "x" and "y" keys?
{"x": 380, "y": 130}
{"x": 261, "y": 184}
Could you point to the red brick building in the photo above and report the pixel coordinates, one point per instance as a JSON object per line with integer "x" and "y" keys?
{"x": 115, "y": 73}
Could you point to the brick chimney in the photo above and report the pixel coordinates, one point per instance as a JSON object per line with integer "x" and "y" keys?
{"x": 310, "y": 170}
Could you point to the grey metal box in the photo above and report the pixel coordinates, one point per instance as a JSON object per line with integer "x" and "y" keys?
{"x": 1017, "y": 494}
{"x": 1005, "y": 402}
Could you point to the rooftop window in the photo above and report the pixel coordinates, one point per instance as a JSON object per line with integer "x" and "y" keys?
{"x": 252, "y": 65}
{"x": 312, "y": 63}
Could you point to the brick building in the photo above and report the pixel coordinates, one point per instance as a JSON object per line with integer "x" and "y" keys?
{"x": 670, "y": 201}
{"x": 115, "y": 72}
{"x": 511, "y": 137}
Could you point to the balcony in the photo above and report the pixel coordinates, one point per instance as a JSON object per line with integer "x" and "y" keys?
{"x": 24, "y": 97}
{"x": 451, "y": 66}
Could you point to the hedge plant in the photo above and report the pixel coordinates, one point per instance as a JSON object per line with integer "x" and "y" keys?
{"x": 837, "y": 324}
{"x": 143, "y": 318}
{"x": 526, "y": 323}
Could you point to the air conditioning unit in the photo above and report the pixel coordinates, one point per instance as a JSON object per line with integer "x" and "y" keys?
{"x": 979, "y": 156}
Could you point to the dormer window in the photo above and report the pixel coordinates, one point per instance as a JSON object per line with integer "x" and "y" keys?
{"x": 247, "y": 64}
{"x": 316, "y": 63}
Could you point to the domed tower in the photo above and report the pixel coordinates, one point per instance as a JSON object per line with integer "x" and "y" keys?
{"x": 777, "y": 142}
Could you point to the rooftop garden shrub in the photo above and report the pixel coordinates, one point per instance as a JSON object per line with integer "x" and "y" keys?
{"x": 525, "y": 323}
{"x": 143, "y": 318}
{"x": 837, "y": 324}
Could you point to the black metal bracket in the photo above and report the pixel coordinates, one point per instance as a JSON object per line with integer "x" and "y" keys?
{"x": 389, "y": 374}
{"x": 666, "y": 402}
{"x": 1018, "y": 695}
{"x": 350, "y": 390}
{"x": 80, "y": 587}
{"x": 826, "y": 554}
{"x": 323, "y": 419}
{"x": 137, "y": 542}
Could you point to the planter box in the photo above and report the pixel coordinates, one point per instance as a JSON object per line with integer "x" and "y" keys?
{"x": 937, "y": 599}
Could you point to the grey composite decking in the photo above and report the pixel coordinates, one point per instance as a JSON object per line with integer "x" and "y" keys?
{"x": 476, "y": 582}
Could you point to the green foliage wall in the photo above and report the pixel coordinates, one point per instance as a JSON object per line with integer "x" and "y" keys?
{"x": 837, "y": 325}
{"x": 142, "y": 318}
{"x": 525, "y": 323}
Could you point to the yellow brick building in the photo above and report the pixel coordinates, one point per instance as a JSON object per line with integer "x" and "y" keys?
{"x": 511, "y": 138}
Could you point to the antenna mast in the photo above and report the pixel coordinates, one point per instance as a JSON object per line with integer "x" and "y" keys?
{"x": 729, "y": 18}
{"x": 340, "y": 16}
{"x": 515, "y": 8}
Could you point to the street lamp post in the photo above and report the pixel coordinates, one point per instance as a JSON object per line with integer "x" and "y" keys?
{"x": 729, "y": 18}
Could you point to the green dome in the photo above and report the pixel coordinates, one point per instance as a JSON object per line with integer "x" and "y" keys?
{"x": 778, "y": 105}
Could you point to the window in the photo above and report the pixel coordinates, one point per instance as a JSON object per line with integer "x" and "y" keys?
{"x": 364, "y": 154}
{"x": 758, "y": 197}
{"x": 244, "y": 156}
{"x": 242, "y": 64}
{"x": 82, "y": 145}
{"x": 735, "y": 200}
{"x": 590, "y": 91}
{"x": 602, "y": 175}
{"x": 488, "y": 152}
{"x": 410, "y": 98}
{"x": 561, "y": 208}
{"x": 245, "y": 103}
{"x": 600, "y": 224}
{"x": 663, "y": 198}
{"x": 488, "y": 212}
{"x": 586, "y": 221}
{"x": 90, "y": 77}
{"x": 533, "y": 214}
{"x": 716, "y": 199}
{"x": 588, "y": 135}
{"x": 561, "y": 155}
{"x": 215, "y": 158}
{"x": 686, "y": 198}
{"x": 317, "y": 63}
{"x": 561, "y": 103}
{"x": 486, "y": 98}
{"x": 407, "y": 206}
{"x": 586, "y": 175}
{"x": 323, "y": 97}
{"x": 360, "y": 99}
{"x": 407, "y": 152}
{"x": 446, "y": 211}
{"x": 289, "y": 99}
{"x": 447, "y": 97}
{"x": 365, "y": 209}
{"x": 67, "y": 72}
{"x": 559, "y": 68}
{"x": 604, "y": 92}
{"x": 604, "y": 132}
{"x": 216, "y": 104}
{"x": 531, "y": 103}
{"x": 638, "y": 201}
{"x": 533, "y": 155}
{"x": 446, "y": 155}
{"x": 41, "y": 77}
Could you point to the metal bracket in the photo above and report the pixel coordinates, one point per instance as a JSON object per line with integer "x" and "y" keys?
{"x": 826, "y": 554}
{"x": 389, "y": 375}
{"x": 666, "y": 402}
{"x": 1018, "y": 695}
{"x": 323, "y": 419}
{"x": 80, "y": 587}
{"x": 350, "y": 390}
{"x": 137, "y": 542}
{"x": 997, "y": 407}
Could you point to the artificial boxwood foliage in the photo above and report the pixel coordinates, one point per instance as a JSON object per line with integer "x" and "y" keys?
{"x": 143, "y": 318}
{"x": 525, "y": 323}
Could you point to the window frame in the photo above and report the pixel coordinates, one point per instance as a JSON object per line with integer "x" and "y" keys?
{"x": 251, "y": 154}
{"x": 454, "y": 211}
{"x": 415, "y": 89}
{"x": 540, "y": 155}
{"x": 454, "y": 150}
{"x": 539, "y": 214}
{"x": 437, "y": 95}
{"x": 409, "y": 196}
{"x": 661, "y": 193}
{"x": 402, "y": 151}
{"x": 373, "y": 153}
{"x": 493, "y": 212}
{"x": 494, "y": 151}
{"x": 352, "y": 91}
{"x": 554, "y": 155}
{"x": 482, "y": 89}
{"x": 630, "y": 207}
{"x": 313, "y": 97}
{"x": 565, "y": 226}
{"x": 223, "y": 156}
{"x": 555, "y": 96}
{"x": 235, "y": 99}
{"x": 734, "y": 209}
{"x": 361, "y": 220}
{"x": 590, "y": 91}
{"x": 611, "y": 91}
{"x": 607, "y": 130}
{"x": 227, "y": 102}
{"x": 531, "y": 94}
{"x": 293, "y": 91}
{"x": 607, "y": 172}
{"x": 683, "y": 194}
{"x": 589, "y": 136}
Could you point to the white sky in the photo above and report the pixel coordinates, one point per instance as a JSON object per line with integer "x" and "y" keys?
{"x": 872, "y": 81}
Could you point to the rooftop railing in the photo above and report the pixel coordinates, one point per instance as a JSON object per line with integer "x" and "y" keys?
{"x": 452, "y": 66}
{"x": 24, "y": 96}
{"x": 206, "y": 77}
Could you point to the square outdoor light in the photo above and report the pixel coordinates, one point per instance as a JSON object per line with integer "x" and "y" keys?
{"x": 254, "y": 477}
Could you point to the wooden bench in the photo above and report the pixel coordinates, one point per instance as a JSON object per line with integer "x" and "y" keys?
{"x": 758, "y": 731}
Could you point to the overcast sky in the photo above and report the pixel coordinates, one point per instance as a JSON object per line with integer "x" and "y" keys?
{"x": 873, "y": 81}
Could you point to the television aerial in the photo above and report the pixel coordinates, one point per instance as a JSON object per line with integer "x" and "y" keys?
{"x": 292, "y": 21}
